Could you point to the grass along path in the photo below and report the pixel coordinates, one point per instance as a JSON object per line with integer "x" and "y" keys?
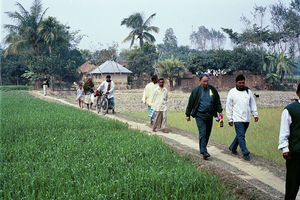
{"x": 261, "y": 137}
{"x": 51, "y": 151}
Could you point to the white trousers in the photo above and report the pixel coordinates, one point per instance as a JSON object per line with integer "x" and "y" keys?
{"x": 45, "y": 89}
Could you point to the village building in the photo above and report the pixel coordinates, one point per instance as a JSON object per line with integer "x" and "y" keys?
{"x": 84, "y": 69}
{"x": 118, "y": 73}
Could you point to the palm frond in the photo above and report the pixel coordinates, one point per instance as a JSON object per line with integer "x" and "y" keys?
{"x": 152, "y": 28}
{"x": 24, "y": 12}
{"x": 149, "y": 37}
{"x": 148, "y": 21}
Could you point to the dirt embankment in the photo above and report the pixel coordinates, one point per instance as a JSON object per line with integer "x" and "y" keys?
{"x": 131, "y": 100}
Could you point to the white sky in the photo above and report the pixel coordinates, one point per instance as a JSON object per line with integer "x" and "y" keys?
{"x": 99, "y": 20}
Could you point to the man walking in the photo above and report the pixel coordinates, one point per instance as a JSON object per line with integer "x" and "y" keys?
{"x": 45, "y": 84}
{"x": 159, "y": 105}
{"x": 239, "y": 106}
{"x": 147, "y": 97}
{"x": 204, "y": 104}
{"x": 289, "y": 143}
{"x": 108, "y": 87}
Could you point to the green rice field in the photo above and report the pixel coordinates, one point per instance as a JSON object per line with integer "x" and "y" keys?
{"x": 51, "y": 151}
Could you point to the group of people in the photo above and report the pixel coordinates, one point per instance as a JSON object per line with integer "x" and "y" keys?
{"x": 204, "y": 104}
{"x": 86, "y": 94}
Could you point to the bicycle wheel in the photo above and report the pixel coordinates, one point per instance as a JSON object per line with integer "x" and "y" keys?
{"x": 104, "y": 105}
{"x": 98, "y": 104}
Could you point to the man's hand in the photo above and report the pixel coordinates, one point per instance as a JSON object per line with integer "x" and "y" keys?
{"x": 230, "y": 123}
{"x": 188, "y": 119}
{"x": 287, "y": 155}
{"x": 255, "y": 119}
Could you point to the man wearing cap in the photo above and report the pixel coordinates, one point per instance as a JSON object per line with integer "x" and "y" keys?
{"x": 240, "y": 104}
{"x": 289, "y": 143}
{"x": 108, "y": 87}
{"x": 204, "y": 104}
{"x": 147, "y": 97}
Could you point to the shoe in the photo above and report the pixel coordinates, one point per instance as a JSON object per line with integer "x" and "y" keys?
{"x": 113, "y": 112}
{"x": 165, "y": 131}
{"x": 206, "y": 156}
{"x": 233, "y": 151}
{"x": 247, "y": 157}
{"x": 154, "y": 130}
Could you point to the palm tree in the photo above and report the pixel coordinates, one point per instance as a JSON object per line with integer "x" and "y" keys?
{"x": 50, "y": 32}
{"x": 140, "y": 28}
{"x": 24, "y": 35}
{"x": 170, "y": 68}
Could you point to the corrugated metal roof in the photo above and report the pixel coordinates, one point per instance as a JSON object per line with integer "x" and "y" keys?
{"x": 110, "y": 67}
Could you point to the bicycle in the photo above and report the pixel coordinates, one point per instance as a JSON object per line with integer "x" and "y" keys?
{"x": 103, "y": 104}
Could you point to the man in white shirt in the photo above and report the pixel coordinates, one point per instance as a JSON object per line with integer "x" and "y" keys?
{"x": 159, "y": 105}
{"x": 289, "y": 143}
{"x": 239, "y": 106}
{"x": 147, "y": 97}
{"x": 108, "y": 87}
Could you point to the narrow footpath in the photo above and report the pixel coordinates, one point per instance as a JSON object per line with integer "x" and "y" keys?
{"x": 248, "y": 179}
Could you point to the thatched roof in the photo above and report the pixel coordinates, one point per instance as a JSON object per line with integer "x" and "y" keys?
{"x": 110, "y": 67}
{"x": 86, "y": 67}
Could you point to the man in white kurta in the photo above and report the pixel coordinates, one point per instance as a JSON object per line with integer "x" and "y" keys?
{"x": 159, "y": 105}
{"x": 108, "y": 87}
{"x": 289, "y": 143}
{"x": 240, "y": 105}
{"x": 147, "y": 97}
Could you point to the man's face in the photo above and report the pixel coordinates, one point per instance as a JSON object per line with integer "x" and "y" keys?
{"x": 155, "y": 81}
{"x": 241, "y": 83}
{"x": 80, "y": 86}
{"x": 161, "y": 83}
{"x": 204, "y": 81}
{"x": 298, "y": 94}
{"x": 107, "y": 79}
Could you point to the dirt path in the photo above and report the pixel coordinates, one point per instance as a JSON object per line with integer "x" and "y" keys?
{"x": 250, "y": 180}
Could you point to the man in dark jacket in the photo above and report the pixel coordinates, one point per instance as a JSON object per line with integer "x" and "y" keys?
{"x": 204, "y": 104}
{"x": 289, "y": 143}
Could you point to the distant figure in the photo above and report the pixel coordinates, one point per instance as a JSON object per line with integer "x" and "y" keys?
{"x": 147, "y": 97}
{"x": 239, "y": 106}
{"x": 88, "y": 89}
{"x": 45, "y": 83}
{"x": 204, "y": 104}
{"x": 159, "y": 105}
{"x": 289, "y": 143}
{"x": 80, "y": 94}
{"x": 108, "y": 87}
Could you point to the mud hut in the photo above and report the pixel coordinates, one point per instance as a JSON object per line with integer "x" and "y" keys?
{"x": 118, "y": 73}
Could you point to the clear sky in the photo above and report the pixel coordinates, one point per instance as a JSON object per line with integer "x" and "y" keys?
{"x": 99, "y": 20}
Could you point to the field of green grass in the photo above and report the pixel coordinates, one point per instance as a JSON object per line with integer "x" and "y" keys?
{"x": 261, "y": 137}
{"x": 51, "y": 151}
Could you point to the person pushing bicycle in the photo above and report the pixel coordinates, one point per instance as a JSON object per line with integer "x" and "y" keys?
{"x": 107, "y": 87}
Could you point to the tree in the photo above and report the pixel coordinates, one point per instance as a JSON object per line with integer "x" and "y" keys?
{"x": 51, "y": 32}
{"x": 170, "y": 40}
{"x": 200, "y": 38}
{"x": 140, "y": 28}
{"x": 279, "y": 64}
{"x": 141, "y": 59}
{"x": 171, "y": 69}
{"x": 24, "y": 35}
